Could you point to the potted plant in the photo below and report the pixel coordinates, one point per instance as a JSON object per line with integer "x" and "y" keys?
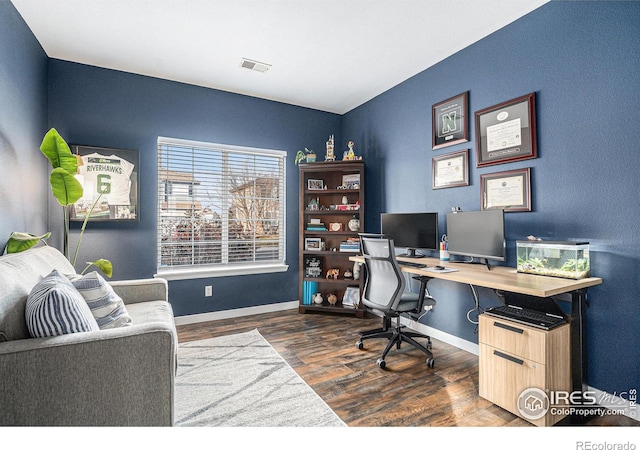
{"x": 308, "y": 155}
{"x": 67, "y": 190}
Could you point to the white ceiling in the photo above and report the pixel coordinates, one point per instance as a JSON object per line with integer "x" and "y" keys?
{"x": 331, "y": 55}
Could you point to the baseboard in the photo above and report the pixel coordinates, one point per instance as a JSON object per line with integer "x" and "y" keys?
{"x": 232, "y": 313}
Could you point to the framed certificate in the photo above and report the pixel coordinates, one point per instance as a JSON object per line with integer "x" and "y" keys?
{"x": 449, "y": 121}
{"x": 450, "y": 170}
{"x": 510, "y": 190}
{"x": 506, "y": 132}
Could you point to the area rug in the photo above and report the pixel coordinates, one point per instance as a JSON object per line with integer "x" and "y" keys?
{"x": 240, "y": 380}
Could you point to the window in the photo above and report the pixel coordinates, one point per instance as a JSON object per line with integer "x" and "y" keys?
{"x": 221, "y": 209}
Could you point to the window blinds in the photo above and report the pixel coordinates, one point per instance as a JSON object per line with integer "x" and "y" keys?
{"x": 219, "y": 205}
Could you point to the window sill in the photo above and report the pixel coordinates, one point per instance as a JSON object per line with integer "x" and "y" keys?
{"x": 210, "y": 272}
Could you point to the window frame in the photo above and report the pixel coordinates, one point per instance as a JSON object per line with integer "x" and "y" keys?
{"x": 194, "y": 271}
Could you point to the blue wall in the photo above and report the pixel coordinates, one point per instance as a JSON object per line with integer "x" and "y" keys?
{"x": 581, "y": 59}
{"x": 24, "y": 181}
{"x": 107, "y": 108}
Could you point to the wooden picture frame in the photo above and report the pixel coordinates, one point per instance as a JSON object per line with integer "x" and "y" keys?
{"x": 450, "y": 121}
{"x": 450, "y": 170}
{"x": 509, "y": 190}
{"x": 506, "y": 132}
{"x": 111, "y": 184}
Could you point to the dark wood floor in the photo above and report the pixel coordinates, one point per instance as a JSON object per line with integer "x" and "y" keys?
{"x": 321, "y": 349}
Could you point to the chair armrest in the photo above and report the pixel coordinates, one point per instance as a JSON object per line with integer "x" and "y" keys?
{"x": 116, "y": 377}
{"x": 143, "y": 290}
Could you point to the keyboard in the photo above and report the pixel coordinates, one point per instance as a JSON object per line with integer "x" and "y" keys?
{"x": 530, "y": 317}
{"x": 412, "y": 264}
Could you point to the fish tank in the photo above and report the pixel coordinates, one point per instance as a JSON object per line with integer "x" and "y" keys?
{"x": 564, "y": 259}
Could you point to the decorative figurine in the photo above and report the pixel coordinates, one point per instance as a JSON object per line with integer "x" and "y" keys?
{"x": 317, "y": 299}
{"x": 350, "y": 154}
{"x": 345, "y": 200}
{"x": 348, "y": 274}
{"x": 354, "y": 224}
{"x": 330, "y": 156}
{"x": 333, "y": 273}
{"x": 332, "y": 299}
{"x": 313, "y": 204}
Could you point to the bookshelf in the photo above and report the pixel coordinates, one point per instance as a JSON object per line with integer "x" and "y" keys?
{"x": 331, "y": 199}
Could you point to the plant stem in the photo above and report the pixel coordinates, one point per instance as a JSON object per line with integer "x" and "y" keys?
{"x": 84, "y": 225}
{"x": 65, "y": 242}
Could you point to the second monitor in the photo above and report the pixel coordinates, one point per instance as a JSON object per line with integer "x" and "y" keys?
{"x": 412, "y": 231}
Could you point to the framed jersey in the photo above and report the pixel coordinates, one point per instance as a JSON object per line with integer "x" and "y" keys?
{"x": 110, "y": 181}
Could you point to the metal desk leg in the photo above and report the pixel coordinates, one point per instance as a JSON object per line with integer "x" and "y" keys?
{"x": 579, "y": 306}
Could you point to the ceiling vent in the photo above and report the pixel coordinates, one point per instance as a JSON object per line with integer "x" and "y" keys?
{"x": 254, "y": 65}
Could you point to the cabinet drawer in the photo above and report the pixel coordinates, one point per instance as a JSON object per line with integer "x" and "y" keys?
{"x": 521, "y": 340}
{"x": 503, "y": 376}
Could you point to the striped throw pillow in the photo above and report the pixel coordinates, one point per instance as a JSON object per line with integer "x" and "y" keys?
{"x": 105, "y": 305}
{"x": 54, "y": 307}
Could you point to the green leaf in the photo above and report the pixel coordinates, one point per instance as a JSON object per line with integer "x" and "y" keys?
{"x": 20, "y": 241}
{"x": 64, "y": 186}
{"x": 55, "y": 148}
{"x": 103, "y": 264}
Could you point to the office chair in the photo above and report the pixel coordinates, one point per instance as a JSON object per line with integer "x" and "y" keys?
{"x": 384, "y": 292}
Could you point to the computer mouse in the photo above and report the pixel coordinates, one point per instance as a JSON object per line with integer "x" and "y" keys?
{"x": 438, "y": 268}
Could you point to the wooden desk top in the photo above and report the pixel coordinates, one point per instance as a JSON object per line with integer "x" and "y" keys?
{"x": 499, "y": 277}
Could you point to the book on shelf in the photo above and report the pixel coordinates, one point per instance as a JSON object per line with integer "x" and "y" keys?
{"x": 350, "y": 245}
{"x": 316, "y": 225}
{"x": 309, "y": 289}
{"x": 312, "y": 267}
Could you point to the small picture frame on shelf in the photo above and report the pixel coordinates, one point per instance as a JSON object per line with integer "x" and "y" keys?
{"x": 351, "y": 181}
{"x": 313, "y": 244}
{"x": 315, "y": 185}
{"x": 351, "y": 298}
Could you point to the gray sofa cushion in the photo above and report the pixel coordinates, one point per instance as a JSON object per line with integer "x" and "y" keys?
{"x": 19, "y": 272}
{"x": 107, "y": 307}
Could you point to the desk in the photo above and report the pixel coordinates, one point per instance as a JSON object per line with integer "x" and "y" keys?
{"x": 509, "y": 280}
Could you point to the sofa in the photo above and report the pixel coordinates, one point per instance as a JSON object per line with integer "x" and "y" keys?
{"x": 121, "y": 376}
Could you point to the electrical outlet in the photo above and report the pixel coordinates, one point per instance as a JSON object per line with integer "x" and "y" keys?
{"x": 208, "y": 291}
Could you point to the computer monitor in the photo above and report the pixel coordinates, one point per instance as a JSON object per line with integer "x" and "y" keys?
{"x": 477, "y": 234}
{"x": 411, "y": 231}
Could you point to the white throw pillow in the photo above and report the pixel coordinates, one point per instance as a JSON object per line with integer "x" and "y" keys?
{"x": 54, "y": 307}
{"x": 106, "y": 306}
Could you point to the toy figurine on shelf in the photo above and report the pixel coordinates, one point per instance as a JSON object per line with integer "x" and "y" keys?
{"x": 314, "y": 205}
{"x": 332, "y": 299}
{"x": 330, "y": 156}
{"x": 333, "y": 274}
{"x": 350, "y": 154}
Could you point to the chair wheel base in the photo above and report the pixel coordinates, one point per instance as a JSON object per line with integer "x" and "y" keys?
{"x": 381, "y": 363}
{"x": 359, "y": 345}
{"x": 430, "y": 363}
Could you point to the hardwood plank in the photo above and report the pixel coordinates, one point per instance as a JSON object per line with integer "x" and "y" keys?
{"x": 321, "y": 349}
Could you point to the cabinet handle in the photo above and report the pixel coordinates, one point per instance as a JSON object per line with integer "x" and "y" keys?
{"x": 508, "y": 357}
{"x": 507, "y": 327}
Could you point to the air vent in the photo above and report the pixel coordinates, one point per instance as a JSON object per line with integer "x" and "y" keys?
{"x": 254, "y": 65}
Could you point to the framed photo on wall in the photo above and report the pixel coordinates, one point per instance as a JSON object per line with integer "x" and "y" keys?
{"x": 450, "y": 121}
{"x": 506, "y": 132}
{"x": 510, "y": 190}
{"x": 450, "y": 170}
{"x": 110, "y": 183}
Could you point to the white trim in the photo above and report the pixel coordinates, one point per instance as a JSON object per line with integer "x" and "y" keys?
{"x": 233, "y": 313}
{"x": 194, "y": 272}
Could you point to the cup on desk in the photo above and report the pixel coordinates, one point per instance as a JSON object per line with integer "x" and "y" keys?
{"x": 444, "y": 253}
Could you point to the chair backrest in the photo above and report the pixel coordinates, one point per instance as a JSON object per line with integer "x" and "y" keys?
{"x": 385, "y": 283}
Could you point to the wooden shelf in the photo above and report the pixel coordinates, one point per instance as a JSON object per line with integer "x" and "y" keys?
{"x": 331, "y": 174}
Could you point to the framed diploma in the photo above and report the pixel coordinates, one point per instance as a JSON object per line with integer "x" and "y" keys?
{"x": 506, "y": 132}
{"x": 109, "y": 179}
{"x": 510, "y": 190}
{"x": 450, "y": 170}
{"x": 450, "y": 120}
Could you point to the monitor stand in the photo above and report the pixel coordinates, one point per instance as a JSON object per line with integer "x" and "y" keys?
{"x": 411, "y": 253}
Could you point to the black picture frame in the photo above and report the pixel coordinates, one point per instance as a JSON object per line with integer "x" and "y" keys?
{"x": 509, "y": 190}
{"x": 506, "y": 132}
{"x": 450, "y": 170}
{"x": 450, "y": 121}
{"x": 120, "y": 167}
